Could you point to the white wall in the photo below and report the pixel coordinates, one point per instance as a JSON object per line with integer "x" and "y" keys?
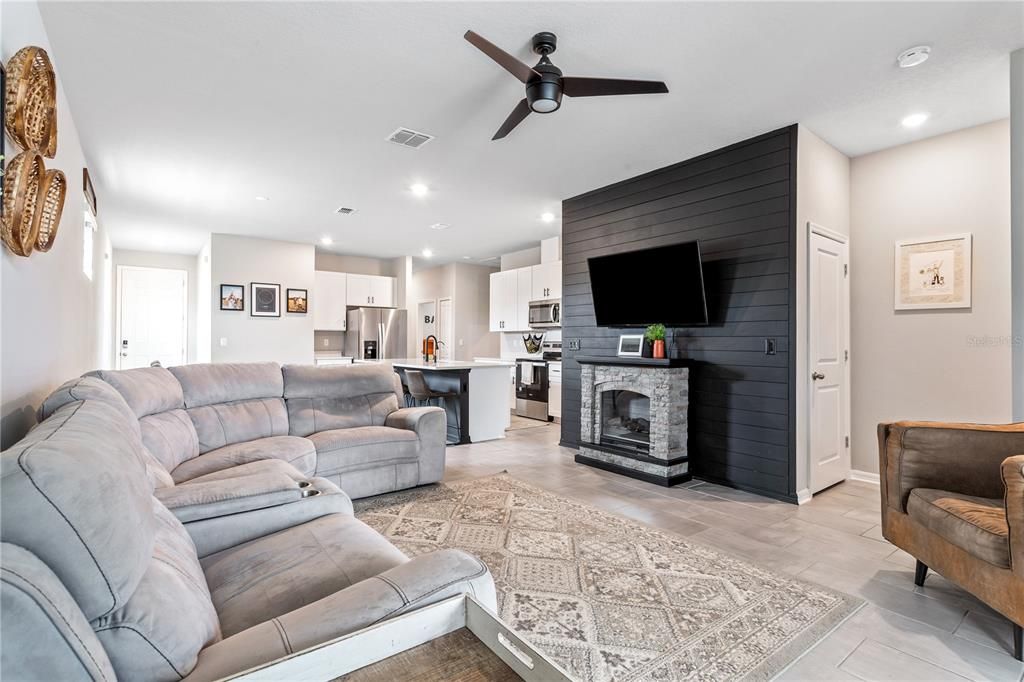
{"x": 1017, "y": 239}
{"x": 822, "y": 198}
{"x": 205, "y": 300}
{"x": 170, "y": 261}
{"x": 471, "y": 323}
{"x": 54, "y": 319}
{"x": 930, "y": 364}
{"x": 243, "y": 260}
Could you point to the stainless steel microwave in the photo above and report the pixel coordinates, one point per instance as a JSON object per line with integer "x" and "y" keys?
{"x": 545, "y": 314}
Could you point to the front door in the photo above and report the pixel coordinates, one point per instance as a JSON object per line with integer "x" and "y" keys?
{"x": 152, "y": 316}
{"x": 828, "y": 320}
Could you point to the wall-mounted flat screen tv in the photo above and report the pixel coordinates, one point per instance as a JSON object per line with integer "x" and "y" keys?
{"x": 636, "y": 288}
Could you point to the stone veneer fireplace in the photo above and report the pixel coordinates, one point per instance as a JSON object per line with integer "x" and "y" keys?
{"x": 633, "y": 418}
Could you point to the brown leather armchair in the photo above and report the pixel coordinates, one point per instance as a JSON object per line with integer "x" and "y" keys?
{"x": 953, "y": 498}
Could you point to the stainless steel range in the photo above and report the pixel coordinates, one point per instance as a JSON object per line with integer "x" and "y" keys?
{"x": 533, "y": 382}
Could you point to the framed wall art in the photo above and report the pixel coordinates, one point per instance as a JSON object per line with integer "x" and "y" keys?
{"x": 264, "y": 299}
{"x": 933, "y": 273}
{"x": 297, "y": 300}
{"x": 232, "y": 297}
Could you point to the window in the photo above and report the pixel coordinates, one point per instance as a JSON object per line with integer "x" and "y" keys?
{"x": 88, "y": 234}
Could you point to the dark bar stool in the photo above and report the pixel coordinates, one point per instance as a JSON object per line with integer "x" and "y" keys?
{"x": 423, "y": 395}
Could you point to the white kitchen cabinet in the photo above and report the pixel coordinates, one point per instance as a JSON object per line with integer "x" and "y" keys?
{"x": 547, "y": 281}
{"x": 371, "y": 291}
{"x": 524, "y": 290}
{"x": 382, "y": 292}
{"x": 503, "y": 297}
{"x": 329, "y": 301}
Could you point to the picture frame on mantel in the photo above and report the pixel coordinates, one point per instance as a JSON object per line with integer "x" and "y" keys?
{"x": 933, "y": 273}
{"x": 264, "y": 299}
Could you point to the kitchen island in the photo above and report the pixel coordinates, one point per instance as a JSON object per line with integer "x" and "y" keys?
{"x": 482, "y": 410}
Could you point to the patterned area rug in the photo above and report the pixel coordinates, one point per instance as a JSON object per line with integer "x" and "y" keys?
{"x": 608, "y": 598}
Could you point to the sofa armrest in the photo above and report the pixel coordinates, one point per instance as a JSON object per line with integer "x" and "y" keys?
{"x": 419, "y": 419}
{"x": 210, "y": 499}
{"x": 961, "y": 458}
{"x": 424, "y": 580}
{"x": 1013, "y": 480}
{"x": 213, "y": 534}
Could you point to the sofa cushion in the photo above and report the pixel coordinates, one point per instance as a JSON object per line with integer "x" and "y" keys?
{"x": 170, "y": 618}
{"x": 340, "y": 450}
{"x": 339, "y": 397}
{"x": 976, "y": 525}
{"x": 299, "y": 452}
{"x": 170, "y": 437}
{"x": 235, "y": 422}
{"x": 86, "y": 388}
{"x": 75, "y": 493}
{"x": 46, "y": 637}
{"x": 147, "y": 390}
{"x": 279, "y": 573}
{"x": 229, "y": 382}
{"x": 260, "y": 466}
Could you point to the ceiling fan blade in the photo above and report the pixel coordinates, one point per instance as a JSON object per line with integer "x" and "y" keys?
{"x": 596, "y": 87}
{"x": 504, "y": 59}
{"x": 521, "y": 111}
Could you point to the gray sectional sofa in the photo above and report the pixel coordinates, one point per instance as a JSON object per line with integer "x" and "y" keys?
{"x": 169, "y": 525}
{"x": 342, "y": 423}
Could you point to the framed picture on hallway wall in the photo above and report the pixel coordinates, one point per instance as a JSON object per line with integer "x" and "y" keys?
{"x": 264, "y": 299}
{"x": 933, "y": 273}
{"x": 297, "y": 300}
{"x": 232, "y": 297}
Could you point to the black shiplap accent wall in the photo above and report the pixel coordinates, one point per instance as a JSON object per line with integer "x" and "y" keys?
{"x": 740, "y": 202}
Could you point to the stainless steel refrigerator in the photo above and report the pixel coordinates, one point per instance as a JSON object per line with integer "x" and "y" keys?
{"x": 376, "y": 334}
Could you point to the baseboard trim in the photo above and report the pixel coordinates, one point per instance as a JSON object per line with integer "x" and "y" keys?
{"x": 803, "y": 496}
{"x": 864, "y": 477}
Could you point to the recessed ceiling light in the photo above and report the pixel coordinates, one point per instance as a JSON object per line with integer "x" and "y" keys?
{"x": 466, "y": 257}
{"x": 419, "y": 189}
{"x": 427, "y": 253}
{"x": 913, "y": 56}
{"x": 326, "y": 241}
{"x": 914, "y": 120}
{"x": 547, "y": 217}
{"x": 440, "y": 226}
{"x": 262, "y": 198}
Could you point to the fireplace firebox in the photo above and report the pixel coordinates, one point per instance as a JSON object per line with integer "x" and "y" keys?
{"x": 627, "y": 420}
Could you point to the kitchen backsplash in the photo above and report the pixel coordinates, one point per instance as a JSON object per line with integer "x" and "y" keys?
{"x": 334, "y": 341}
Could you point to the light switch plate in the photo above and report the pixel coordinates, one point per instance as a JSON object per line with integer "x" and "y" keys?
{"x": 223, "y": 341}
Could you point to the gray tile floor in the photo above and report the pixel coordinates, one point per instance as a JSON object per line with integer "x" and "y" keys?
{"x": 904, "y": 632}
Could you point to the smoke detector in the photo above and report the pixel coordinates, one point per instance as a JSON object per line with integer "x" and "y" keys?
{"x": 409, "y": 138}
{"x": 345, "y": 210}
{"x": 913, "y": 56}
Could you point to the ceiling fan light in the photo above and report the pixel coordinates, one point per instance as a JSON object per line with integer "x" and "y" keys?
{"x": 544, "y": 106}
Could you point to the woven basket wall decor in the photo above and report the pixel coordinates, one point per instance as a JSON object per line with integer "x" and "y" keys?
{"x": 30, "y": 109}
{"x": 22, "y": 179}
{"x": 49, "y": 206}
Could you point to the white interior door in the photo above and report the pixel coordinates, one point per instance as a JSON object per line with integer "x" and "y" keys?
{"x": 152, "y": 316}
{"x": 828, "y": 344}
{"x": 426, "y": 323}
{"x": 444, "y": 328}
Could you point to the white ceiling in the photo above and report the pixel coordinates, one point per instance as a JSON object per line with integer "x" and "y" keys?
{"x": 188, "y": 111}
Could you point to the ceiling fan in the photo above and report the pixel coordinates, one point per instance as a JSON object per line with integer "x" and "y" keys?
{"x": 545, "y": 83}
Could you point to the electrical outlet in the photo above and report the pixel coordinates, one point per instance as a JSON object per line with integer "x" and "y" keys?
{"x": 574, "y": 344}
{"x": 327, "y": 342}
{"x": 770, "y": 347}
{"x": 223, "y": 341}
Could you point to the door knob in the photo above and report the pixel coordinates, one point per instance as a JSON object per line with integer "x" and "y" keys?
{"x": 817, "y": 375}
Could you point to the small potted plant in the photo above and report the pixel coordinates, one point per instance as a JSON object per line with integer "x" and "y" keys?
{"x": 656, "y": 335}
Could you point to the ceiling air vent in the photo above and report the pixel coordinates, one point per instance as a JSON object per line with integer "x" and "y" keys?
{"x": 409, "y": 138}
{"x": 345, "y": 210}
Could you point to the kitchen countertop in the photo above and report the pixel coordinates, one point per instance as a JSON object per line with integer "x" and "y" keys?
{"x": 441, "y": 365}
